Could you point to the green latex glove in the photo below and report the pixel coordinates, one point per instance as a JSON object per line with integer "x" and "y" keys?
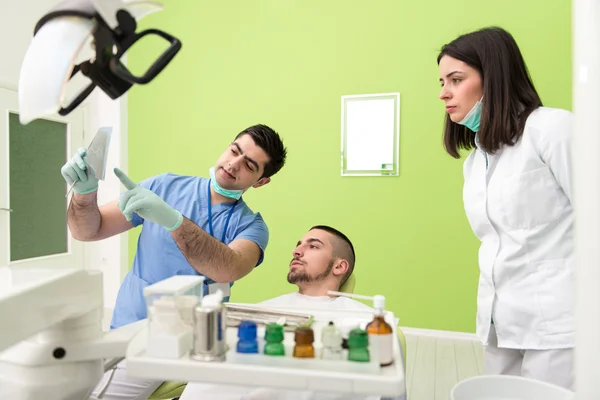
{"x": 77, "y": 171}
{"x": 146, "y": 204}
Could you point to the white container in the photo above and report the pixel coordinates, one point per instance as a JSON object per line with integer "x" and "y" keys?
{"x": 287, "y": 372}
{"x": 508, "y": 387}
{"x": 170, "y": 304}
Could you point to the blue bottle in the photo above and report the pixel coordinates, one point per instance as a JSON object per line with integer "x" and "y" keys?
{"x": 247, "y": 342}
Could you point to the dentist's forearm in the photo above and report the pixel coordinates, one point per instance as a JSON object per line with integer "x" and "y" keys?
{"x": 83, "y": 216}
{"x": 206, "y": 254}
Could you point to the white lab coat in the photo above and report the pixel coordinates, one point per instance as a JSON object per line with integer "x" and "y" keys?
{"x": 519, "y": 206}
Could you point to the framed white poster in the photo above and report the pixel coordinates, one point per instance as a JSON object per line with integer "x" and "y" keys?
{"x": 370, "y": 134}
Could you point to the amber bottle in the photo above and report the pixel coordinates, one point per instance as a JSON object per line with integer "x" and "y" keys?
{"x": 380, "y": 335}
{"x": 304, "y": 338}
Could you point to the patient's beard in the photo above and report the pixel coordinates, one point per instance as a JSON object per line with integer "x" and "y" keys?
{"x": 301, "y": 276}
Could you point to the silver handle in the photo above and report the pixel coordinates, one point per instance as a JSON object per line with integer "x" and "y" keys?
{"x": 110, "y": 364}
{"x": 5, "y": 209}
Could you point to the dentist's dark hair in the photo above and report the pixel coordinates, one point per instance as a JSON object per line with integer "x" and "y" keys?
{"x": 270, "y": 141}
{"x": 509, "y": 96}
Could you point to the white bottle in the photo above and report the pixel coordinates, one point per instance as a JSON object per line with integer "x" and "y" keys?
{"x": 381, "y": 340}
{"x": 331, "y": 338}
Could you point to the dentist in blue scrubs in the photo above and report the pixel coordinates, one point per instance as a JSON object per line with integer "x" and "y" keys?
{"x": 190, "y": 225}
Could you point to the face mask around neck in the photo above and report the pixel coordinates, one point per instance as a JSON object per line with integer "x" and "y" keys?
{"x": 230, "y": 194}
{"x": 473, "y": 117}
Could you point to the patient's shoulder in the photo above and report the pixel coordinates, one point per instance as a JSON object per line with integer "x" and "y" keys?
{"x": 351, "y": 304}
{"x": 298, "y": 300}
{"x": 283, "y": 300}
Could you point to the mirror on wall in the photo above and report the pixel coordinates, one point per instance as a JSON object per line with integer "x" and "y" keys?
{"x": 370, "y": 134}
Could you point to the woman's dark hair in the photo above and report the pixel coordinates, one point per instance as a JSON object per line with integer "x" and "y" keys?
{"x": 508, "y": 92}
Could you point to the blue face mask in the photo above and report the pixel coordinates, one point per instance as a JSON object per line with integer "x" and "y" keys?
{"x": 231, "y": 194}
{"x": 473, "y": 117}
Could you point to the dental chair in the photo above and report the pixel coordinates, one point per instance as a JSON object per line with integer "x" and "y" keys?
{"x": 172, "y": 390}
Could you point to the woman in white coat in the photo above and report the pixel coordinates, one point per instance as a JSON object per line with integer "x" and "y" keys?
{"x": 517, "y": 198}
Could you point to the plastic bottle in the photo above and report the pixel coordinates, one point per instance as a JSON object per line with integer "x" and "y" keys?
{"x": 304, "y": 339}
{"x": 331, "y": 338}
{"x": 358, "y": 346}
{"x": 247, "y": 342}
{"x": 381, "y": 334}
{"x": 274, "y": 340}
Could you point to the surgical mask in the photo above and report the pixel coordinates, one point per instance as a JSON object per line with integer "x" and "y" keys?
{"x": 473, "y": 117}
{"x": 231, "y": 194}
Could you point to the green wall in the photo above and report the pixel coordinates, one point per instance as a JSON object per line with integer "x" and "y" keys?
{"x": 286, "y": 63}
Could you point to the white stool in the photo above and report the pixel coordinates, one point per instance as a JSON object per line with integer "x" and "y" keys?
{"x": 508, "y": 387}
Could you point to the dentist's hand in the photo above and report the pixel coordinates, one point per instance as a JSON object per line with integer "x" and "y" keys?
{"x": 146, "y": 204}
{"x": 77, "y": 171}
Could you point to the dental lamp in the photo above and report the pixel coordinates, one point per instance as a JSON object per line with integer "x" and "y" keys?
{"x": 98, "y": 31}
{"x": 52, "y": 345}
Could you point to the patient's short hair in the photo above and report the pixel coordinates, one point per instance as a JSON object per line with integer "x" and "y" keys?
{"x": 342, "y": 248}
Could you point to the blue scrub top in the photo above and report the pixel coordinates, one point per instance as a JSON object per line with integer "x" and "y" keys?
{"x": 158, "y": 257}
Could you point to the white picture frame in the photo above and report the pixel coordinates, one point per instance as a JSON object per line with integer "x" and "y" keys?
{"x": 370, "y": 134}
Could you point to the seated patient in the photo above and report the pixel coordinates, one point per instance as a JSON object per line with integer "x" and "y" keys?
{"x": 322, "y": 260}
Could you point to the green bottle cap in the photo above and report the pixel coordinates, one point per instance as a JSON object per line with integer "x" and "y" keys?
{"x": 358, "y": 338}
{"x": 274, "y": 333}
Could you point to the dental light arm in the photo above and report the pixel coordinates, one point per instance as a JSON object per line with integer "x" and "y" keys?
{"x": 52, "y": 345}
{"x": 65, "y": 34}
